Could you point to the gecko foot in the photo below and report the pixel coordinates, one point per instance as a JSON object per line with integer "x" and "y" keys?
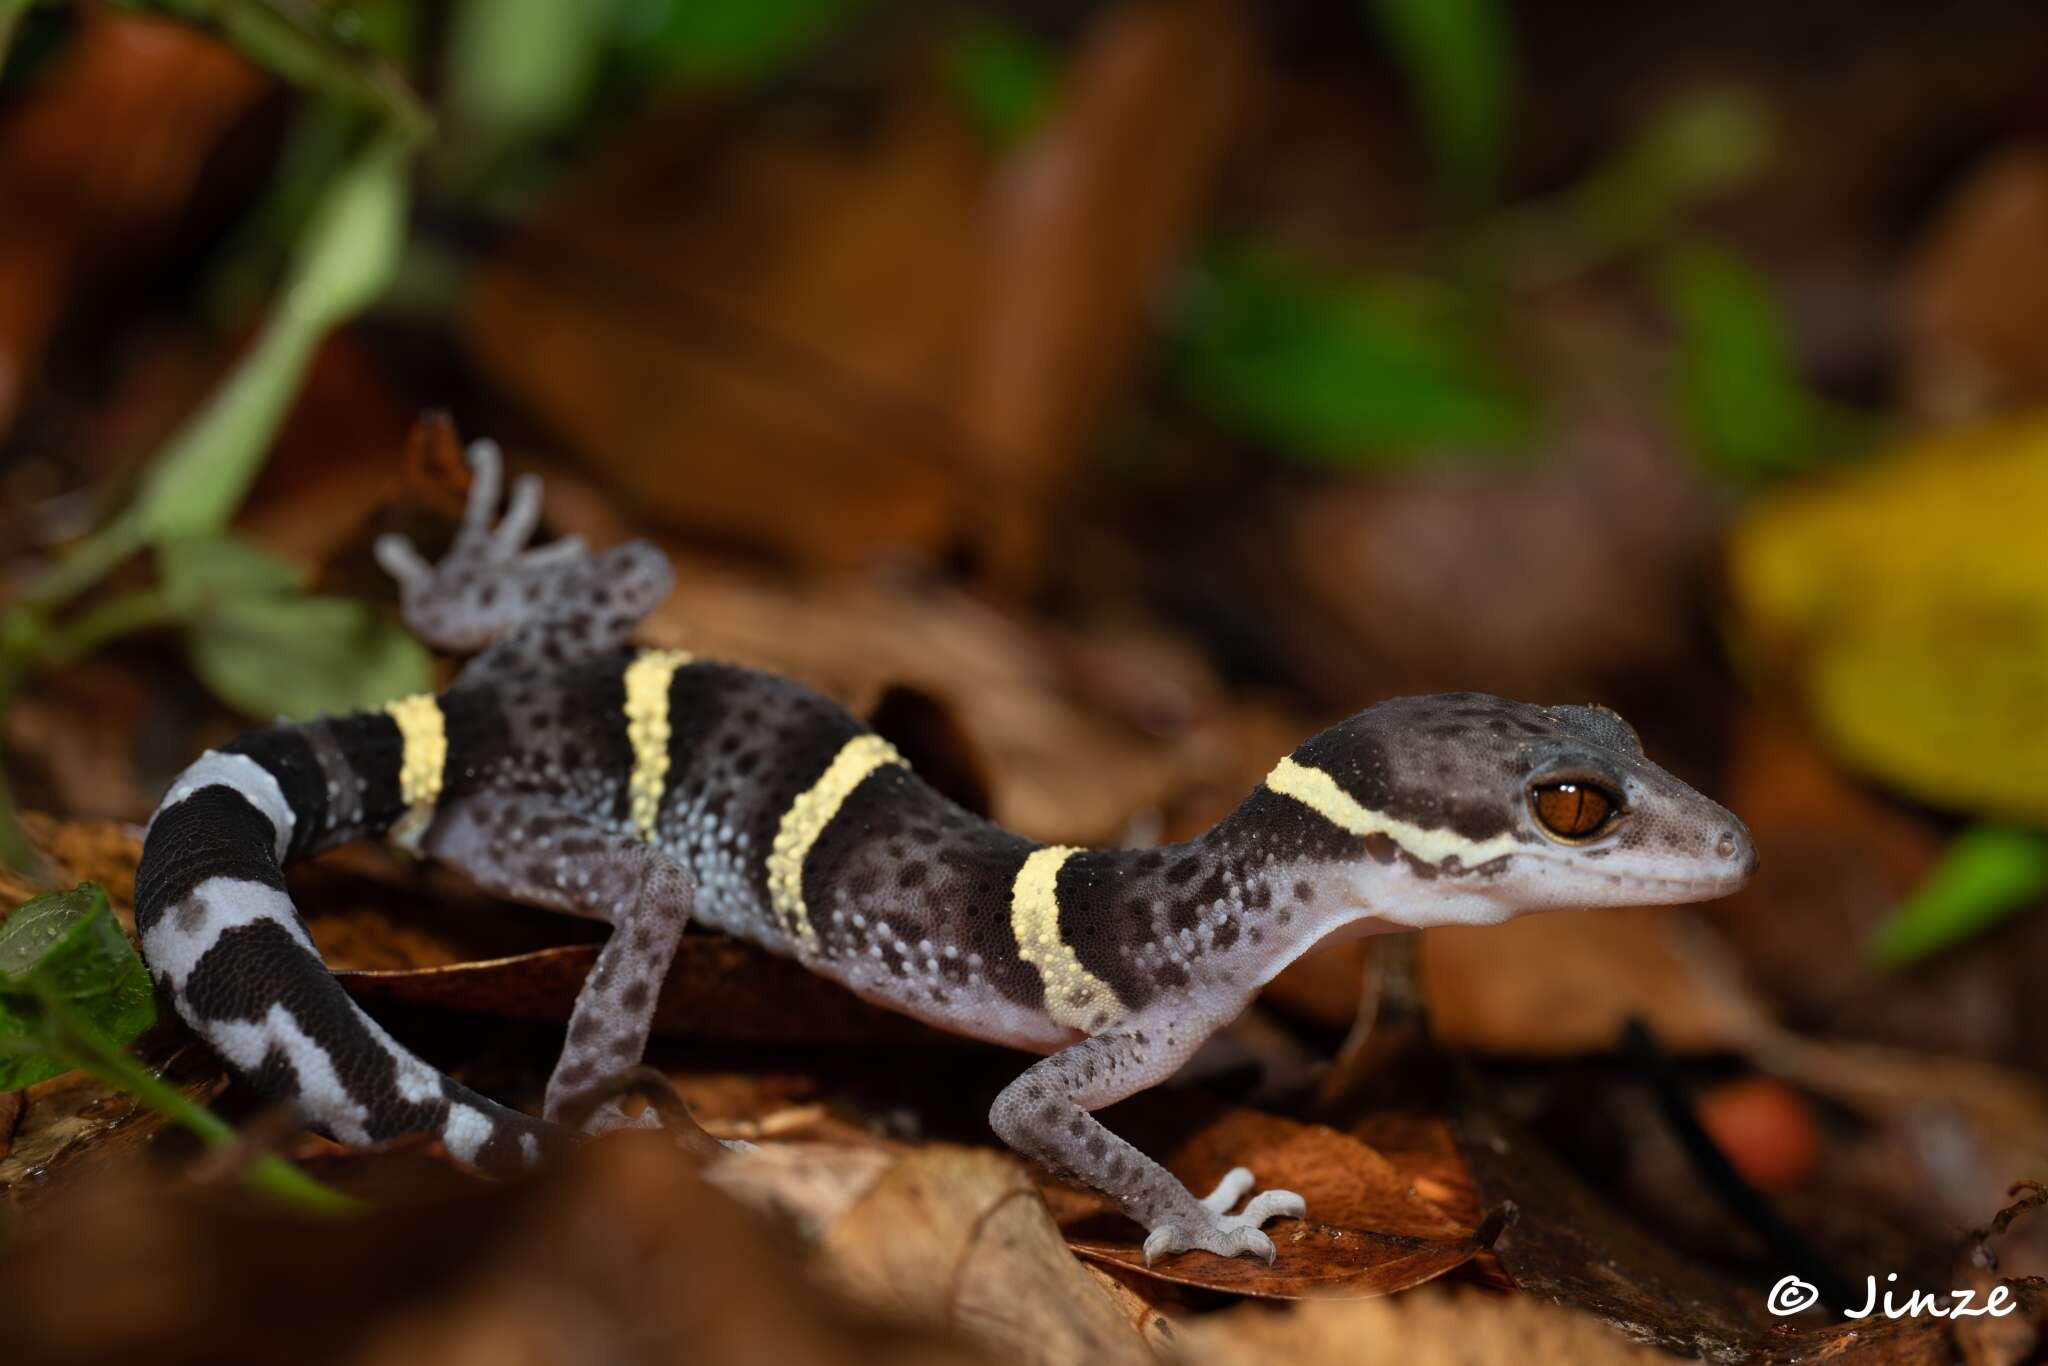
{"x": 1225, "y": 1234}
{"x": 480, "y": 585}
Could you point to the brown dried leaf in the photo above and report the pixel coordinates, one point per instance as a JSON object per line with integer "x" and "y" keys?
{"x": 75, "y": 1130}
{"x": 1866, "y": 1342}
{"x": 809, "y": 1185}
{"x": 1560, "y": 572}
{"x": 618, "y": 1254}
{"x": 412, "y": 1169}
{"x": 1151, "y": 1322}
{"x": 1566, "y": 1245}
{"x": 1082, "y": 227}
{"x": 107, "y": 146}
{"x": 12, "y": 1106}
{"x": 753, "y": 335}
{"x": 1975, "y": 292}
{"x": 82, "y": 851}
{"x": 1423, "y": 1149}
{"x": 1835, "y": 861}
{"x": 1368, "y": 1232}
{"x": 1556, "y": 985}
{"x": 1424, "y": 1328}
{"x": 956, "y": 1237}
{"x": 1323, "y": 987}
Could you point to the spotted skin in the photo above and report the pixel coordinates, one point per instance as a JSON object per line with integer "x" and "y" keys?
{"x": 645, "y": 789}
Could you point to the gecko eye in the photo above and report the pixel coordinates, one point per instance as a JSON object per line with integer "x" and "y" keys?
{"x": 1573, "y": 811}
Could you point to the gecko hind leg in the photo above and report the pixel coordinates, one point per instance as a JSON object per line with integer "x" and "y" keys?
{"x": 524, "y": 609}
{"x": 1044, "y": 1114}
{"x": 526, "y": 847}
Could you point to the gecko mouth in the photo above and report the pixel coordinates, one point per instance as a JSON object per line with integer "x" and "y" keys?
{"x": 1665, "y": 887}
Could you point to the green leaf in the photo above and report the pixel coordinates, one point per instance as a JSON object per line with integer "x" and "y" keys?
{"x": 65, "y": 952}
{"x": 1339, "y": 370}
{"x": 199, "y": 572}
{"x": 1738, "y": 384}
{"x": 722, "y": 44}
{"x": 301, "y": 656}
{"x": 349, "y": 253}
{"x": 518, "y": 68}
{"x": 1986, "y": 874}
{"x": 1459, "y": 59}
{"x": 1004, "y": 77}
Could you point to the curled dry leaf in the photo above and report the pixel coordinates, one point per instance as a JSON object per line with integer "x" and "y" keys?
{"x": 1423, "y": 1328}
{"x": 1368, "y": 1231}
{"x": 957, "y": 1238}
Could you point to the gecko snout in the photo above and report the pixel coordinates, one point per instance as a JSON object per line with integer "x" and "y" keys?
{"x": 1736, "y": 852}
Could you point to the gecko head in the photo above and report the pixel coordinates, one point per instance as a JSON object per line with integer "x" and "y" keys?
{"x": 1474, "y": 809}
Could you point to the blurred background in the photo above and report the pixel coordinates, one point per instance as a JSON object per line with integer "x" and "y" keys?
{"x": 1103, "y": 395}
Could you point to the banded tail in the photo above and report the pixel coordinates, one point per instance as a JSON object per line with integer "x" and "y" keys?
{"x": 223, "y": 940}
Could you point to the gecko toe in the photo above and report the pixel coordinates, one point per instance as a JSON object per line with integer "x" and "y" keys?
{"x": 1229, "y": 1190}
{"x": 1273, "y": 1205}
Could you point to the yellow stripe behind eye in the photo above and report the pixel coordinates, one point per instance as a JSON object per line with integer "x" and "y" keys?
{"x": 1321, "y": 793}
{"x": 1075, "y": 997}
{"x": 648, "y": 679}
{"x": 424, "y": 733}
{"x": 806, "y": 820}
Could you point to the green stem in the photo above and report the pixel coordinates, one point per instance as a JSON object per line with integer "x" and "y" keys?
{"x": 86, "y": 562}
{"x": 293, "y": 46}
{"x": 269, "y": 1174}
{"x": 109, "y": 620}
{"x": 10, "y": 15}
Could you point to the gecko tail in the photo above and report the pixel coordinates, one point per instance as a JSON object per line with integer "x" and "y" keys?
{"x": 223, "y": 941}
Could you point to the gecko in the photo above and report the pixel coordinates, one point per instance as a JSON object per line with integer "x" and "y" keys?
{"x": 649, "y": 789}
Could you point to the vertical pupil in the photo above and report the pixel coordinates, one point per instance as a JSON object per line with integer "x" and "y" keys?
{"x": 1572, "y": 809}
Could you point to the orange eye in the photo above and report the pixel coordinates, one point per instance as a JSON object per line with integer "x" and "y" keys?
{"x": 1572, "y": 811}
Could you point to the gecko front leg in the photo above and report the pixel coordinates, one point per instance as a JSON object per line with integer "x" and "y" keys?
{"x": 1045, "y": 1114}
{"x": 525, "y": 609}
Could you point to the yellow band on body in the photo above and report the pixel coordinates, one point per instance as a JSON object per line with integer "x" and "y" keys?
{"x": 806, "y": 820}
{"x": 424, "y": 733}
{"x": 1075, "y": 997}
{"x": 648, "y": 679}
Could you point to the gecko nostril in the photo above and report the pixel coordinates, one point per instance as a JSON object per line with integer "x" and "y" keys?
{"x": 1727, "y": 846}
